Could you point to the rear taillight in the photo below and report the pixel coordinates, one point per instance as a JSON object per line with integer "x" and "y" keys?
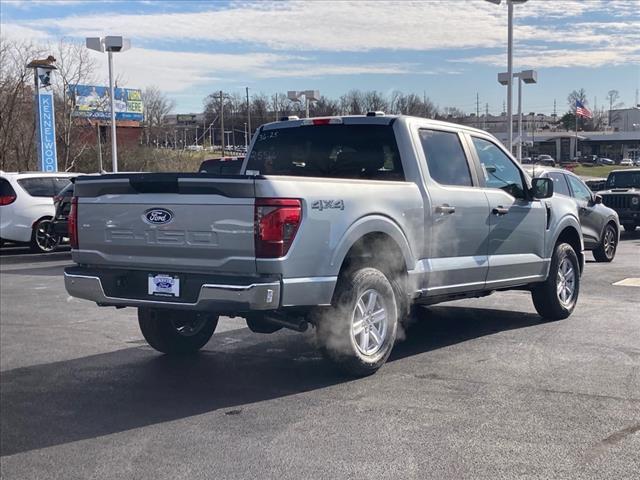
{"x": 277, "y": 221}
{"x": 7, "y": 199}
{"x": 73, "y": 223}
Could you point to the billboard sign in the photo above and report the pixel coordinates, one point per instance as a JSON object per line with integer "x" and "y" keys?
{"x": 91, "y": 101}
{"x": 45, "y": 121}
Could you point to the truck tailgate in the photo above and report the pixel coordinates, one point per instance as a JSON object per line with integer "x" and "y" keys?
{"x": 167, "y": 222}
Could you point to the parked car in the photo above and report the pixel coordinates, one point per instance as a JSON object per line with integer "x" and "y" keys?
{"x": 637, "y": 162}
{"x": 622, "y": 193}
{"x": 526, "y": 160}
{"x": 26, "y": 208}
{"x": 596, "y": 184}
{"x": 62, "y": 205}
{"x": 546, "y": 160}
{"x": 626, "y": 162}
{"x": 342, "y": 223}
{"x": 605, "y": 161}
{"x": 600, "y": 224}
{"x": 222, "y": 166}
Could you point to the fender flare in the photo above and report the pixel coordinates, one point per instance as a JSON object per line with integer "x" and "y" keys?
{"x": 367, "y": 225}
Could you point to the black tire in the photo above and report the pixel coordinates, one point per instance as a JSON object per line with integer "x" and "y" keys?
{"x": 606, "y": 250}
{"x": 43, "y": 238}
{"x": 348, "y": 350}
{"x": 546, "y": 298}
{"x": 176, "y": 332}
{"x": 629, "y": 227}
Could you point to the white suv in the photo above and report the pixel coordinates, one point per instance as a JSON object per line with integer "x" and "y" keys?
{"x": 26, "y": 208}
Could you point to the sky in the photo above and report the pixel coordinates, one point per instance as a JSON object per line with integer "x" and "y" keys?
{"x": 450, "y": 50}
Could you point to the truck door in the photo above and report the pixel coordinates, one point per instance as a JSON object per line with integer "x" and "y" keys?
{"x": 517, "y": 224}
{"x": 456, "y": 217}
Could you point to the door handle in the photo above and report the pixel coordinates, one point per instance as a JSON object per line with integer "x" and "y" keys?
{"x": 445, "y": 209}
{"x": 500, "y": 211}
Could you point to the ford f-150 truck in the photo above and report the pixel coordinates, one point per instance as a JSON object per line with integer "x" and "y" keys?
{"x": 342, "y": 223}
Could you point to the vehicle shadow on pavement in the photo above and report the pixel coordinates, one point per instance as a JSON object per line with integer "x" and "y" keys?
{"x": 67, "y": 401}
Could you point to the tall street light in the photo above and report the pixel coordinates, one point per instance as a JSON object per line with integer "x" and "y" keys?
{"x": 510, "y": 4}
{"x": 110, "y": 45}
{"x": 309, "y": 96}
{"x": 526, "y": 76}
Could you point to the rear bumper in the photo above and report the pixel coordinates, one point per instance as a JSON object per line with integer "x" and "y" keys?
{"x": 211, "y": 297}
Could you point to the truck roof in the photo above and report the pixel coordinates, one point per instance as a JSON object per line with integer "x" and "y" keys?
{"x": 373, "y": 118}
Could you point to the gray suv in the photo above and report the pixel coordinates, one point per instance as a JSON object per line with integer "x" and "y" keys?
{"x": 600, "y": 224}
{"x": 341, "y": 223}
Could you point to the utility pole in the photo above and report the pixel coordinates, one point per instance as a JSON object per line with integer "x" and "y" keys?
{"x": 477, "y": 109}
{"x": 222, "y": 120}
{"x": 248, "y": 112}
{"x": 554, "y": 108}
{"x": 275, "y": 106}
{"x": 486, "y": 116}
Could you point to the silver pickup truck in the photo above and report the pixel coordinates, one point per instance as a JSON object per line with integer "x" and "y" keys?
{"x": 342, "y": 223}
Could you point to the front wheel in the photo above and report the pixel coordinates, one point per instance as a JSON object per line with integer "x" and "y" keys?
{"x": 606, "y": 251}
{"x": 358, "y": 332}
{"x": 556, "y": 297}
{"x": 176, "y": 332}
{"x": 43, "y": 238}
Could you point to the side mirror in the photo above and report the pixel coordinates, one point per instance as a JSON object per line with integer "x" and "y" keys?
{"x": 597, "y": 199}
{"x": 541, "y": 187}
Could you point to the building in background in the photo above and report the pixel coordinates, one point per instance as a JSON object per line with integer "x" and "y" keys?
{"x": 625, "y": 119}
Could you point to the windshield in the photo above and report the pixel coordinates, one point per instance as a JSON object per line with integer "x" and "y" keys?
{"x": 624, "y": 180}
{"x": 335, "y": 151}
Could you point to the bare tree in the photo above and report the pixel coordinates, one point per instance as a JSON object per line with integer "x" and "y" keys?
{"x": 17, "y": 122}
{"x": 74, "y": 66}
{"x": 613, "y": 96}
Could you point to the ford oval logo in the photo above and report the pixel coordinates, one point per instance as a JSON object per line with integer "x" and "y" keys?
{"x": 158, "y": 216}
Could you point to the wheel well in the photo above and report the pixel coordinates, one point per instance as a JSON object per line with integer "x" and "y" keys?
{"x": 571, "y": 236}
{"x": 44, "y": 217}
{"x": 377, "y": 250}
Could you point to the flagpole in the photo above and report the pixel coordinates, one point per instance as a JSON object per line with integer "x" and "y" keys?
{"x": 576, "y": 130}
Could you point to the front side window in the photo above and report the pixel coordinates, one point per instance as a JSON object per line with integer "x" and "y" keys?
{"x": 559, "y": 183}
{"x": 499, "y": 170}
{"x": 446, "y": 160}
{"x": 580, "y": 190}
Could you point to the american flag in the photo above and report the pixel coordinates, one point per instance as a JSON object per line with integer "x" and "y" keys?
{"x": 582, "y": 111}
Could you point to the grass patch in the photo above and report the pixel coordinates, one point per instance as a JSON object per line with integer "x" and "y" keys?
{"x": 597, "y": 170}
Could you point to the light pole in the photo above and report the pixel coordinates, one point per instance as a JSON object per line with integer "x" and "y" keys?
{"x": 110, "y": 45}
{"x": 526, "y": 76}
{"x": 246, "y": 139}
{"x": 510, "y": 4}
{"x": 309, "y": 96}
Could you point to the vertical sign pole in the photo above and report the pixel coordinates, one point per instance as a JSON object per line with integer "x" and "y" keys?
{"x": 36, "y": 108}
{"x": 249, "y": 111}
{"x": 114, "y": 142}
{"x": 510, "y": 74}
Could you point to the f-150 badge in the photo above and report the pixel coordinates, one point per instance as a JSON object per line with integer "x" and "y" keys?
{"x": 327, "y": 204}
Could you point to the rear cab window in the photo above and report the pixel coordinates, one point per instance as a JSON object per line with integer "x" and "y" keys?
{"x": 355, "y": 151}
{"x": 43, "y": 186}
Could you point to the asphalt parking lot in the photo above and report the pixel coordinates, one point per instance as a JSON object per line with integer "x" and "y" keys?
{"x": 479, "y": 389}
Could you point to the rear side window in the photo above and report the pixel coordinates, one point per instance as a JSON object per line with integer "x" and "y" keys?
{"x": 6, "y": 190}
{"x": 445, "y": 158}
{"x": 559, "y": 183}
{"x": 580, "y": 190}
{"x": 332, "y": 151}
{"x": 43, "y": 186}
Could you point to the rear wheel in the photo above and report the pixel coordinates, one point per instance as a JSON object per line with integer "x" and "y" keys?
{"x": 606, "y": 251}
{"x": 43, "y": 238}
{"x": 555, "y": 298}
{"x": 629, "y": 227}
{"x": 175, "y": 331}
{"x": 358, "y": 332}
